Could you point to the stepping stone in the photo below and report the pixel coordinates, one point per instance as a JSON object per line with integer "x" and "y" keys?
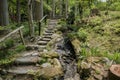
{"x": 30, "y": 53}
{"x": 23, "y": 69}
{"x": 42, "y": 46}
{"x": 49, "y": 31}
{"x": 27, "y": 60}
{"x": 45, "y": 39}
{"x": 49, "y": 37}
{"x": 50, "y": 28}
{"x": 42, "y": 42}
{"x": 32, "y": 47}
{"x": 48, "y": 34}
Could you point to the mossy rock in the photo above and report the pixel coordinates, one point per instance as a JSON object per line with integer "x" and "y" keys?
{"x": 52, "y": 71}
{"x": 76, "y": 45}
{"x": 49, "y": 54}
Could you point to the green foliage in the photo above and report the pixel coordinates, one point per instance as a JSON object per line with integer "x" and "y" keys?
{"x": 9, "y": 43}
{"x": 84, "y": 52}
{"x": 72, "y": 35}
{"x": 26, "y": 29}
{"x": 1, "y": 28}
{"x": 82, "y": 35}
{"x": 95, "y": 52}
{"x": 43, "y": 60}
{"x": 95, "y": 21}
{"x": 98, "y": 29}
{"x": 47, "y": 7}
{"x": 115, "y": 6}
{"x": 115, "y": 56}
{"x": 20, "y": 48}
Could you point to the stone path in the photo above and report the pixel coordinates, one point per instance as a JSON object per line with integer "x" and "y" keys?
{"x": 28, "y": 61}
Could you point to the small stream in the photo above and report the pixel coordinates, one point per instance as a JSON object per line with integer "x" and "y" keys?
{"x": 67, "y": 59}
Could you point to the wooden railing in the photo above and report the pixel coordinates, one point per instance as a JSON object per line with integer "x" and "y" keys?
{"x": 44, "y": 18}
{"x": 13, "y": 32}
{"x": 20, "y": 31}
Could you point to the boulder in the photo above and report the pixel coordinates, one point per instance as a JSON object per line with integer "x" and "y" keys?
{"x": 76, "y": 45}
{"x": 53, "y": 70}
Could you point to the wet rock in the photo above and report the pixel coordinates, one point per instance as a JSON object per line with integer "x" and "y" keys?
{"x": 3, "y": 72}
{"x": 85, "y": 69}
{"x": 76, "y": 77}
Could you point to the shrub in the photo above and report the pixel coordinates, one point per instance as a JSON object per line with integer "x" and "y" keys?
{"x": 9, "y": 43}
{"x": 82, "y": 35}
{"x": 94, "y": 21}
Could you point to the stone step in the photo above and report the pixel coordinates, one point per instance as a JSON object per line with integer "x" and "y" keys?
{"x": 48, "y": 34}
{"x": 23, "y": 69}
{"x": 48, "y": 37}
{"x": 42, "y": 42}
{"x": 30, "y": 53}
{"x": 32, "y": 47}
{"x": 45, "y": 39}
{"x": 28, "y": 60}
{"x": 35, "y": 47}
{"x": 49, "y": 31}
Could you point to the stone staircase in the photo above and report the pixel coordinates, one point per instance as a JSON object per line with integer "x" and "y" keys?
{"x": 28, "y": 61}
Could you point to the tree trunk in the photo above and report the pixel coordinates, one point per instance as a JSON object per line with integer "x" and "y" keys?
{"x": 66, "y": 8}
{"x": 38, "y": 10}
{"x": 41, "y": 9}
{"x": 60, "y": 7}
{"x": 30, "y": 17}
{"x": 114, "y": 73}
{"x": 4, "y": 19}
{"x": 53, "y": 9}
{"x": 18, "y": 12}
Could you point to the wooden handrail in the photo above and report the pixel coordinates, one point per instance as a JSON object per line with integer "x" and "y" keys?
{"x": 16, "y": 30}
{"x": 41, "y": 22}
{"x": 43, "y": 18}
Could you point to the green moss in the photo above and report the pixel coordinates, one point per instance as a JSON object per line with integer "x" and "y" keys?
{"x": 43, "y": 60}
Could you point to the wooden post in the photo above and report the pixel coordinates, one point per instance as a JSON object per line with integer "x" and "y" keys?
{"x": 39, "y": 28}
{"x": 45, "y": 20}
{"x": 21, "y": 36}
